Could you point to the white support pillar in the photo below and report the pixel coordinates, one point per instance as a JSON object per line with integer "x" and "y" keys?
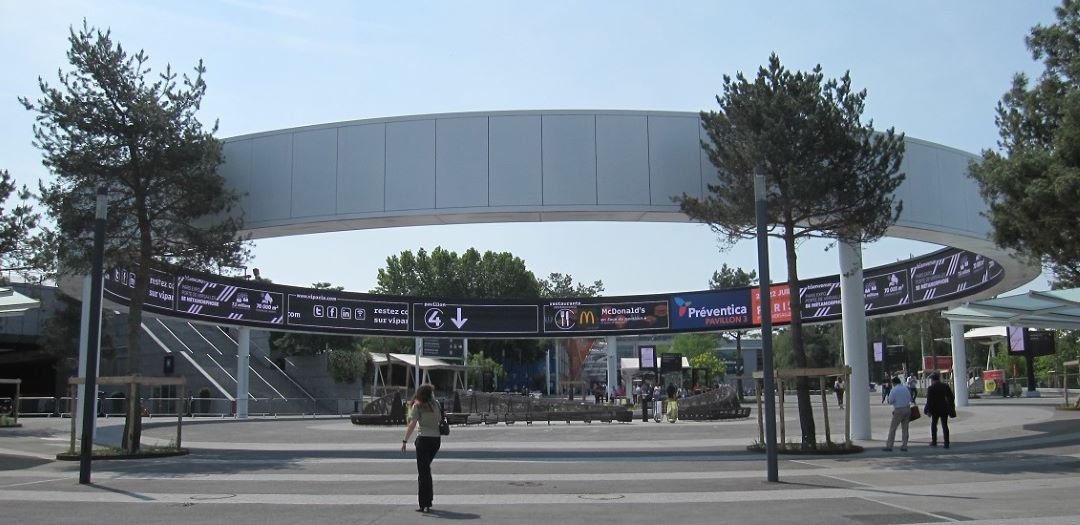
{"x": 959, "y": 359}
{"x": 465, "y": 361}
{"x": 84, "y": 351}
{"x": 612, "y": 371}
{"x": 853, "y": 300}
{"x": 416, "y": 367}
{"x": 558, "y": 381}
{"x": 547, "y": 374}
{"x": 243, "y": 355}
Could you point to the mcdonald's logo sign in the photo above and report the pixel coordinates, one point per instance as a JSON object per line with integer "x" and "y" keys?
{"x": 587, "y": 318}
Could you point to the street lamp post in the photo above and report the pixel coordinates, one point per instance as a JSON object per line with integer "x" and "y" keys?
{"x": 760, "y": 198}
{"x": 93, "y": 338}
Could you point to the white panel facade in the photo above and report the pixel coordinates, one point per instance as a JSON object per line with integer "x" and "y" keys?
{"x": 461, "y": 162}
{"x": 237, "y": 169}
{"x": 314, "y": 176}
{"x": 410, "y": 165}
{"x": 537, "y": 165}
{"x": 674, "y": 158}
{"x": 271, "y": 177}
{"x": 569, "y": 159}
{"x": 622, "y": 159}
{"x": 361, "y": 168}
{"x": 515, "y": 175}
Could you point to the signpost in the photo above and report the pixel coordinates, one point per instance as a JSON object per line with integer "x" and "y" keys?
{"x": 477, "y": 320}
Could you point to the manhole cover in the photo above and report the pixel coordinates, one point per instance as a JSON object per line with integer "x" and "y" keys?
{"x": 601, "y": 497}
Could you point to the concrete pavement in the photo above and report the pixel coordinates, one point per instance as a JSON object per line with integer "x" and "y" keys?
{"x": 1013, "y": 461}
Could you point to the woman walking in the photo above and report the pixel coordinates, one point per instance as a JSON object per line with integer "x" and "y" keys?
{"x": 424, "y": 416}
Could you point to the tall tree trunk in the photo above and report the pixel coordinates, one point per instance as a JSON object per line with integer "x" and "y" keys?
{"x": 798, "y": 352}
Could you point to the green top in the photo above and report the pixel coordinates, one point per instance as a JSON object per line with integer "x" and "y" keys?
{"x": 429, "y": 417}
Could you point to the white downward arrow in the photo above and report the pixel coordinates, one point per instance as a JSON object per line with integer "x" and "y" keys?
{"x": 459, "y": 321}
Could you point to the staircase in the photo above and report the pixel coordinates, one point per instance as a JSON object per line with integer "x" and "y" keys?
{"x": 209, "y": 353}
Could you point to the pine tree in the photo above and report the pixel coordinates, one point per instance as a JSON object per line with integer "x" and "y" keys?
{"x": 827, "y": 174}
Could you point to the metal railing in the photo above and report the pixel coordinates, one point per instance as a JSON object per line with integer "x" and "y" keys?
{"x": 196, "y": 406}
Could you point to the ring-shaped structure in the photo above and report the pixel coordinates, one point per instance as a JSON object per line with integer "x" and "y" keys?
{"x": 518, "y": 166}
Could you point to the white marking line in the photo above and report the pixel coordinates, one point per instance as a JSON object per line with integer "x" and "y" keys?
{"x": 668, "y": 498}
{"x": 34, "y": 482}
{"x": 26, "y": 454}
{"x": 909, "y": 509}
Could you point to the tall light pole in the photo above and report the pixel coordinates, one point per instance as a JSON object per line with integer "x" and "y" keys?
{"x": 93, "y": 338}
{"x": 760, "y": 198}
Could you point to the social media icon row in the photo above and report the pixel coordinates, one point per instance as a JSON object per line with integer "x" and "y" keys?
{"x": 336, "y": 312}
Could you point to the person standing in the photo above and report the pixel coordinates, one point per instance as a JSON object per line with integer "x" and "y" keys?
{"x": 913, "y": 386}
{"x": 940, "y": 405}
{"x": 886, "y": 386}
{"x": 424, "y": 416}
{"x": 838, "y": 387}
{"x": 900, "y": 399}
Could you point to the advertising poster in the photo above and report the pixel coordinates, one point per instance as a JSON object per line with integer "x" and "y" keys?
{"x": 715, "y": 310}
{"x": 885, "y": 291}
{"x": 993, "y": 380}
{"x": 779, "y": 295}
{"x": 646, "y": 357}
{"x": 940, "y": 362}
{"x": 820, "y": 299}
{"x": 201, "y": 297}
{"x": 574, "y": 317}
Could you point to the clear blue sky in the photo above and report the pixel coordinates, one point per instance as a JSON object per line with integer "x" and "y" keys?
{"x": 934, "y": 70}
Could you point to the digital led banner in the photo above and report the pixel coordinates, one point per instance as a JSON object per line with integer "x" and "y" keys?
{"x": 481, "y": 319}
{"x": 200, "y": 297}
{"x": 321, "y": 310}
{"x": 579, "y": 316}
{"x": 937, "y": 277}
{"x": 711, "y": 310}
{"x": 887, "y": 290}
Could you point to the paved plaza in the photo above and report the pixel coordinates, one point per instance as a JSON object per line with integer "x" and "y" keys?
{"x": 1013, "y": 461}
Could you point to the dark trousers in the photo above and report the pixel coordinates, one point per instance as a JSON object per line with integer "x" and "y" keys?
{"x": 944, "y": 428}
{"x": 426, "y": 448}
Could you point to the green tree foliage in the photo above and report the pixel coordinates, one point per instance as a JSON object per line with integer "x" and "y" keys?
{"x": 710, "y": 362}
{"x": 562, "y": 285}
{"x": 479, "y": 363}
{"x": 700, "y": 350}
{"x": 1032, "y": 185}
{"x": 16, "y": 223}
{"x": 920, "y": 333}
{"x": 348, "y": 363}
{"x": 445, "y": 274}
{"x": 692, "y": 345}
{"x": 727, "y": 278}
{"x": 827, "y": 174}
{"x": 113, "y": 123}
{"x": 59, "y": 337}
